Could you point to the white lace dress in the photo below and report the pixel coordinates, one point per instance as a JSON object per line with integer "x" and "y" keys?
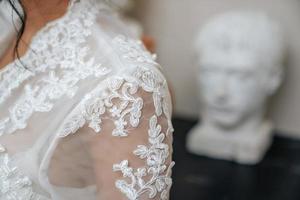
{"x": 90, "y": 117}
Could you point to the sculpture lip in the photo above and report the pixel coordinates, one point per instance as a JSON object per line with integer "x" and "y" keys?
{"x": 227, "y": 109}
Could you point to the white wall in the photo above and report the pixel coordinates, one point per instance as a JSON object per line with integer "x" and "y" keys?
{"x": 173, "y": 23}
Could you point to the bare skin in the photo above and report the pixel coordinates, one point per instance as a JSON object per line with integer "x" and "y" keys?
{"x": 39, "y": 13}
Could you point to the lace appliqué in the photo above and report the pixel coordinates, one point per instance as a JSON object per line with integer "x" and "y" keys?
{"x": 155, "y": 154}
{"x": 53, "y": 45}
{"x": 95, "y": 105}
{"x": 63, "y": 47}
{"x": 10, "y": 79}
{"x": 134, "y": 51}
{"x": 127, "y": 114}
{"x": 121, "y": 89}
{"x": 13, "y": 185}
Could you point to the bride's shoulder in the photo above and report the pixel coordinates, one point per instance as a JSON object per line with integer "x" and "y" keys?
{"x": 132, "y": 52}
{"x": 111, "y": 30}
{"x": 114, "y": 44}
{"x": 123, "y": 49}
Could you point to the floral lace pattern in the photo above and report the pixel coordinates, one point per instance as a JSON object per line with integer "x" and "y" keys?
{"x": 128, "y": 113}
{"x": 135, "y": 54}
{"x": 122, "y": 89}
{"x": 60, "y": 47}
{"x": 45, "y": 44}
{"x": 134, "y": 51}
{"x": 155, "y": 155}
{"x": 14, "y": 185}
{"x": 10, "y": 79}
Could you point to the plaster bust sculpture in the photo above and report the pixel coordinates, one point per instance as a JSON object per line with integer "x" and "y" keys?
{"x": 241, "y": 65}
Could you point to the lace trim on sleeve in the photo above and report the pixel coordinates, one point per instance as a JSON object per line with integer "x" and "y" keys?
{"x": 155, "y": 154}
{"x": 128, "y": 113}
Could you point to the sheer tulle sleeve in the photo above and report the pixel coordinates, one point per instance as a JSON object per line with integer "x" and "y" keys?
{"x": 117, "y": 142}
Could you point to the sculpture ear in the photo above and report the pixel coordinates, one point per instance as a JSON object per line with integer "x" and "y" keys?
{"x": 275, "y": 80}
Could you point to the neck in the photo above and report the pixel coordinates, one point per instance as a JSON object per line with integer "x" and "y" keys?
{"x": 40, "y": 12}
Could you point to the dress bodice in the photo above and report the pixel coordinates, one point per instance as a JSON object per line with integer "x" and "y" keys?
{"x": 85, "y": 113}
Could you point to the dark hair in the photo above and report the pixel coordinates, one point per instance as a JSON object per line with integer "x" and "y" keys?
{"x": 21, "y": 14}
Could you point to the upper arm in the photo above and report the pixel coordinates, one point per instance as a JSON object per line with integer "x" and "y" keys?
{"x": 126, "y": 131}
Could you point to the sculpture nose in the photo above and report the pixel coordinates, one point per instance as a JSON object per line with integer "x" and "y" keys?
{"x": 222, "y": 90}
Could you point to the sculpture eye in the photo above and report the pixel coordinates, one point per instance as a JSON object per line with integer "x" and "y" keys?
{"x": 209, "y": 70}
{"x": 243, "y": 76}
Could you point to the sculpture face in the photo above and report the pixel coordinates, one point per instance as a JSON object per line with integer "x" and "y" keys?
{"x": 240, "y": 58}
{"x": 233, "y": 87}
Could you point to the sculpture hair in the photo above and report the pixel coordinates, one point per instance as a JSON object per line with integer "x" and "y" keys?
{"x": 250, "y": 32}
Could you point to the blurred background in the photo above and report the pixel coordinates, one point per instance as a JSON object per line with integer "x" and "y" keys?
{"x": 173, "y": 25}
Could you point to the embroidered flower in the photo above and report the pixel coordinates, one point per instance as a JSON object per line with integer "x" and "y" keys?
{"x": 64, "y": 47}
{"x": 13, "y": 184}
{"x": 156, "y": 155}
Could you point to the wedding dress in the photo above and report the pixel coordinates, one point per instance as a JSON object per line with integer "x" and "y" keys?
{"x": 85, "y": 113}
